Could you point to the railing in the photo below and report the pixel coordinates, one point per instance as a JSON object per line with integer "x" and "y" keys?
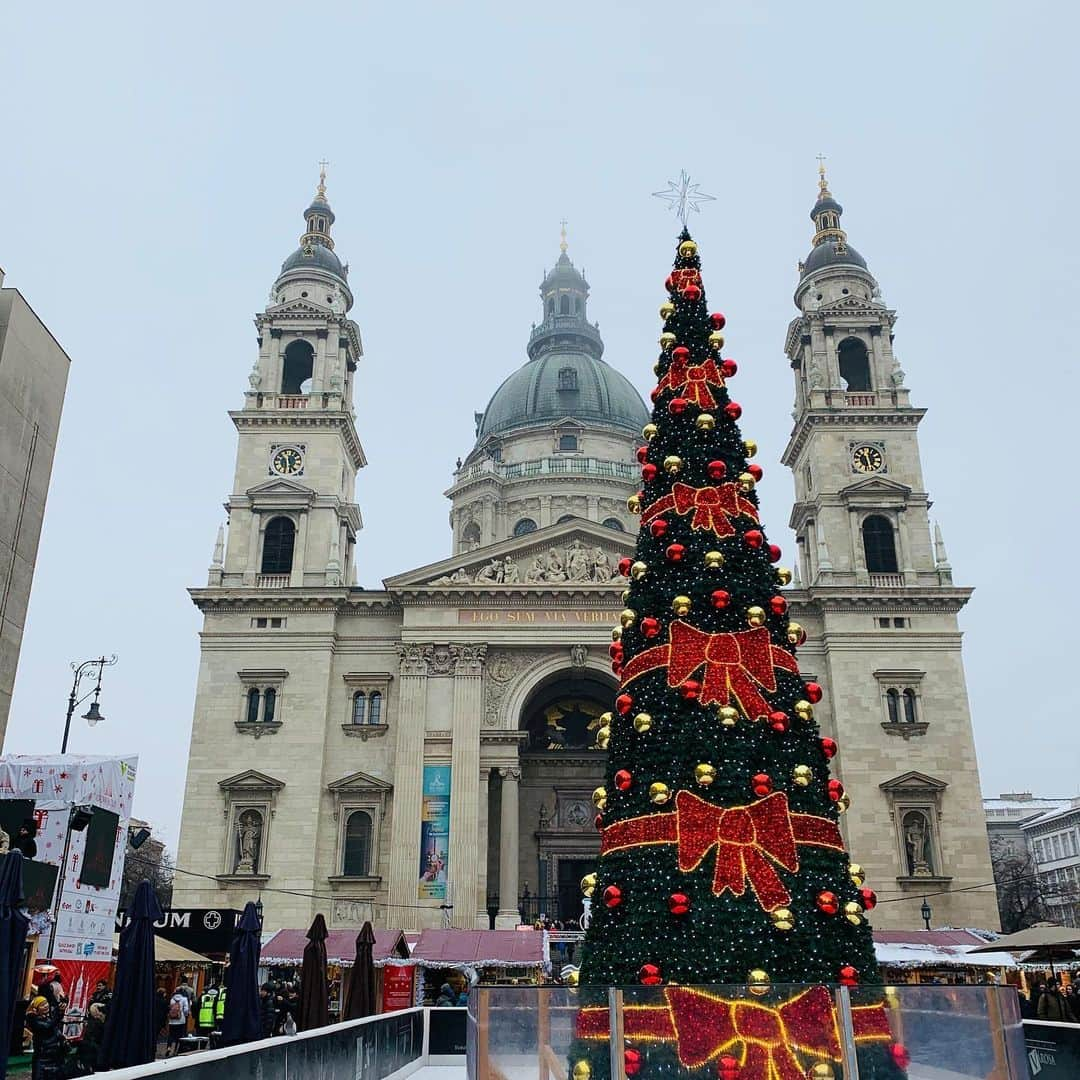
{"x": 886, "y": 581}
{"x": 553, "y": 466}
{"x": 292, "y": 402}
{"x": 272, "y": 581}
{"x": 860, "y": 399}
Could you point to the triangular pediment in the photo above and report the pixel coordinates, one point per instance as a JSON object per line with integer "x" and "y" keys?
{"x": 876, "y": 485}
{"x": 252, "y": 778}
{"x": 847, "y": 304}
{"x": 298, "y": 307}
{"x": 360, "y": 781}
{"x": 573, "y": 554}
{"x": 914, "y": 781}
{"x": 280, "y": 486}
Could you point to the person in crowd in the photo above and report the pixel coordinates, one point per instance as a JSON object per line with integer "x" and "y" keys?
{"x": 446, "y": 996}
{"x": 24, "y": 840}
{"x": 187, "y": 990}
{"x": 294, "y": 998}
{"x": 204, "y": 1013}
{"x": 93, "y": 1033}
{"x": 281, "y": 1006}
{"x": 179, "y": 1011}
{"x": 219, "y": 1008}
{"x": 267, "y": 1008}
{"x": 44, "y": 1021}
{"x": 161, "y": 1012}
{"x": 1054, "y": 1005}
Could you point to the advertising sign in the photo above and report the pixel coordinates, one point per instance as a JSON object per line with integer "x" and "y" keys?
{"x": 434, "y": 833}
{"x": 397, "y": 987}
{"x": 208, "y": 931}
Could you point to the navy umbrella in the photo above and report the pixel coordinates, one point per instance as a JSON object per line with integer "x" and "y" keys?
{"x": 130, "y": 1037}
{"x": 242, "y": 1022}
{"x": 314, "y": 991}
{"x": 13, "y": 925}
{"x": 361, "y": 994}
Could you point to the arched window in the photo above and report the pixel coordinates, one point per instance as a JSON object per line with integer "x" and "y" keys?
{"x": 297, "y": 369}
{"x": 613, "y": 523}
{"x": 564, "y": 304}
{"x": 879, "y": 545}
{"x": 551, "y": 306}
{"x": 909, "y": 707}
{"x": 568, "y": 378}
{"x": 471, "y": 533}
{"x": 892, "y": 702}
{"x": 567, "y": 442}
{"x": 269, "y": 705}
{"x": 375, "y": 707}
{"x": 357, "y": 861}
{"x": 565, "y": 518}
{"x": 577, "y": 305}
{"x": 252, "y": 714}
{"x": 359, "y": 707}
{"x": 525, "y": 525}
{"x": 277, "y": 556}
{"x": 854, "y": 365}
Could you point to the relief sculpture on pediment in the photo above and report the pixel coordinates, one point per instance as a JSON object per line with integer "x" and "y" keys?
{"x": 574, "y": 563}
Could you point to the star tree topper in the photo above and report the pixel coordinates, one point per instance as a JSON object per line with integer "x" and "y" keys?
{"x": 683, "y": 197}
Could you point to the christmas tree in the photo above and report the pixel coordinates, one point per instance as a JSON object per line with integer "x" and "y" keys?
{"x": 721, "y": 857}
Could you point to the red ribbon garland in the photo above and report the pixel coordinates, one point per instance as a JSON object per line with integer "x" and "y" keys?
{"x": 746, "y": 838}
{"x": 704, "y": 1026}
{"x": 733, "y": 664}
{"x": 713, "y": 507}
{"x": 691, "y": 381}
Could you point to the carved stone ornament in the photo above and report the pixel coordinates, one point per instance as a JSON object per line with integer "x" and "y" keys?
{"x": 504, "y": 666}
{"x": 468, "y": 659}
{"x": 578, "y": 655}
{"x": 574, "y": 563}
{"x": 413, "y": 659}
{"x": 440, "y": 660}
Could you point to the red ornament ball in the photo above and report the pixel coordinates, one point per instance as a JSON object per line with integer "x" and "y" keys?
{"x": 632, "y": 1062}
{"x": 616, "y": 667}
{"x": 761, "y": 784}
{"x": 779, "y": 721}
{"x": 654, "y": 393}
{"x": 717, "y": 470}
{"x": 649, "y": 975}
{"x": 623, "y": 704}
{"x": 623, "y": 779}
{"x": 827, "y": 902}
{"x": 754, "y": 538}
{"x": 849, "y": 976}
{"x": 718, "y": 321}
{"x": 690, "y": 688}
{"x": 777, "y": 605}
{"x": 836, "y": 789}
{"x": 680, "y": 354}
{"x": 650, "y": 627}
{"x": 728, "y": 368}
{"x": 869, "y": 899}
{"x": 658, "y": 527}
{"x": 678, "y": 903}
{"x": 900, "y": 1055}
{"x": 733, "y": 410}
{"x": 692, "y": 293}
{"x": 755, "y": 470}
{"x": 677, "y": 406}
{"x": 598, "y": 822}
{"x": 829, "y": 747}
{"x": 615, "y": 650}
{"x": 728, "y": 1068}
{"x": 642, "y": 453}
{"x": 775, "y": 554}
{"x": 813, "y": 692}
{"x": 675, "y": 552}
{"x": 648, "y": 472}
{"x": 612, "y": 896}
{"x": 669, "y": 283}
{"x": 720, "y": 599}
{"x": 624, "y": 565}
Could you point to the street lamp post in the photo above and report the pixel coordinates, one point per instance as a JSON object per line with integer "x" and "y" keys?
{"x": 93, "y": 714}
{"x": 926, "y": 912}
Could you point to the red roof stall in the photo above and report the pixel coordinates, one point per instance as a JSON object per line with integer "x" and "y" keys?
{"x": 461, "y": 957}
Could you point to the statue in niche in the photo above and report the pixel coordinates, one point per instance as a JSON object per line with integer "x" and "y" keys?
{"x": 601, "y": 566}
{"x": 510, "y": 573}
{"x": 916, "y": 839}
{"x": 553, "y": 568}
{"x": 577, "y": 563}
{"x": 248, "y": 842}
{"x": 536, "y": 570}
{"x": 492, "y": 574}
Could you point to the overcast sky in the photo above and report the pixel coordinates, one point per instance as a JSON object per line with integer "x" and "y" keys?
{"x": 156, "y": 160}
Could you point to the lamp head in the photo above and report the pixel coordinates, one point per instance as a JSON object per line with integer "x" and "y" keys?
{"x": 93, "y": 715}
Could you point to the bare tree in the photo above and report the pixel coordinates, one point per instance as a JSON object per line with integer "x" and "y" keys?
{"x": 153, "y": 863}
{"x": 1021, "y": 902}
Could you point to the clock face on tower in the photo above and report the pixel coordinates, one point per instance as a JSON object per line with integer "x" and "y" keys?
{"x": 867, "y": 459}
{"x": 287, "y": 461}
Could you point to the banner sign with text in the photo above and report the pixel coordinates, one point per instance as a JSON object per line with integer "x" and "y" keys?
{"x": 434, "y": 833}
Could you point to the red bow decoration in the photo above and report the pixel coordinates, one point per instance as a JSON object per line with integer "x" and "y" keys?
{"x": 735, "y": 665}
{"x": 681, "y": 278}
{"x": 691, "y": 381}
{"x": 713, "y": 507}
{"x": 704, "y": 1026}
{"x": 746, "y": 838}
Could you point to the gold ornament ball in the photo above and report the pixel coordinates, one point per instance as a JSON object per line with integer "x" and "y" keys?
{"x": 705, "y": 422}
{"x": 784, "y": 575}
{"x": 582, "y": 1070}
{"x": 603, "y": 738}
{"x": 687, "y": 248}
{"x": 572, "y": 978}
{"x": 729, "y": 716}
{"x": 599, "y": 798}
{"x": 625, "y": 595}
{"x": 713, "y": 560}
{"x": 616, "y": 633}
{"x": 638, "y": 570}
{"x": 667, "y": 309}
{"x": 704, "y": 774}
{"x": 627, "y": 617}
{"x": 642, "y": 722}
{"x": 681, "y": 605}
{"x": 716, "y": 340}
{"x": 856, "y": 873}
{"x": 672, "y": 464}
{"x": 606, "y": 719}
{"x": 821, "y": 1071}
{"x": 746, "y": 482}
{"x": 588, "y": 884}
{"x": 853, "y": 912}
{"x": 755, "y": 616}
{"x": 750, "y": 447}
{"x": 649, "y": 431}
{"x": 782, "y": 919}
{"x": 804, "y": 710}
{"x": 758, "y": 982}
{"x": 633, "y": 504}
{"x": 794, "y": 633}
{"x": 659, "y": 793}
{"x": 656, "y": 368}
{"x": 667, "y": 340}
{"x": 802, "y": 775}
{"x": 843, "y": 804}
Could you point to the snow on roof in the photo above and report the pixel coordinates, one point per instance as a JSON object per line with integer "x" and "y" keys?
{"x": 935, "y": 948}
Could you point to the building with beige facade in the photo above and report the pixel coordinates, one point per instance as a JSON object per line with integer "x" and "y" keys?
{"x": 423, "y": 753}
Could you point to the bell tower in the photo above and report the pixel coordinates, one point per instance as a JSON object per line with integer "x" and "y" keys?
{"x": 875, "y": 593}
{"x": 292, "y": 519}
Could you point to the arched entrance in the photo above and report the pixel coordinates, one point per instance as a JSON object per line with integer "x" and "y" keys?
{"x": 560, "y": 767}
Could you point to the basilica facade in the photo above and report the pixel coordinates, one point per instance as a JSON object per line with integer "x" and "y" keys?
{"x": 424, "y": 753}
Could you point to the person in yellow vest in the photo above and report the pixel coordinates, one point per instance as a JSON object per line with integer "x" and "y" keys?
{"x": 204, "y": 1018}
{"x": 219, "y": 1007}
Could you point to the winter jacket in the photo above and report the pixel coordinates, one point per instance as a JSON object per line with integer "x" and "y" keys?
{"x": 1054, "y": 1005}
{"x": 50, "y": 1048}
{"x": 267, "y": 1014}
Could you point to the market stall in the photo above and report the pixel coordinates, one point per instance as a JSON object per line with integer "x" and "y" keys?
{"x": 940, "y": 956}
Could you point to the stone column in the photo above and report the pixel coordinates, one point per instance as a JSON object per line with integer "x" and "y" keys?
{"x": 465, "y": 852}
{"x": 487, "y": 510}
{"x": 408, "y": 787}
{"x": 862, "y": 575}
{"x": 299, "y": 563}
{"x": 484, "y": 804}
{"x": 545, "y": 511}
{"x": 905, "y": 562}
{"x": 255, "y": 526}
{"x": 508, "y": 916}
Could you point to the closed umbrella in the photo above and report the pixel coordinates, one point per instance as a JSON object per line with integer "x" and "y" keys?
{"x": 130, "y": 1037}
{"x": 13, "y": 925}
{"x": 242, "y": 1022}
{"x": 314, "y": 993}
{"x": 361, "y": 991}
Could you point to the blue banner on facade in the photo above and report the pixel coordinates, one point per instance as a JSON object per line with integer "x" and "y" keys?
{"x": 434, "y": 833}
